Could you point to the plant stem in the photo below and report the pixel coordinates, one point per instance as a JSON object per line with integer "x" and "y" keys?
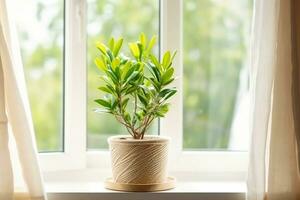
{"x": 135, "y": 103}
{"x": 149, "y": 120}
{"x": 128, "y": 127}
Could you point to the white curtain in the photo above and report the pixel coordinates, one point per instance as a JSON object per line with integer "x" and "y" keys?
{"x": 273, "y": 169}
{"x": 15, "y": 118}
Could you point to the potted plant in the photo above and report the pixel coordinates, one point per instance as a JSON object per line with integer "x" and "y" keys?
{"x": 136, "y": 92}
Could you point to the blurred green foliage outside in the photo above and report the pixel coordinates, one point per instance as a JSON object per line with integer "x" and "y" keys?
{"x": 215, "y": 41}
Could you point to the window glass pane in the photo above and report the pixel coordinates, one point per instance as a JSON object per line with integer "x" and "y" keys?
{"x": 114, "y": 18}
{"x": 215, "y": 82}
{"x": 40, "y": 27}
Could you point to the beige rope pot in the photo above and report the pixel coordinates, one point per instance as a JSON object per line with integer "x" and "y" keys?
{"x": 139, "y": 165}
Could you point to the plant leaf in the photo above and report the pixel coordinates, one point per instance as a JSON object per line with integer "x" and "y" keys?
{"x": 166, "y": 59}
{"x": 134, "y": 50}
{"x": 125, "y": 102}
{"x": 115, "y": 63}
{"x": 114, "y": 104}
{"x": 155, "y": 83}
{"x": 98, "y": 110}
{"x": 164, "y": 92}
{"x": 131, "y": 70}
{"x": 102, "y": 48}
{"x": 110, "y": 55}
{"x": 173, "y": 56}
{"x": 151, "y": 44}
{"x": 117, "y": 47}
{"x": 143, "y": 99}
{"x": 168, "y": 82}
{"x": 125, "y": 69}
{"x": 141, "y": 49}
{"x": 132, "y": 76}
{"x": 105, "y": 89}
{"x": 112, "y": 76}
{"x": 127, "y": 117}
{"x": 103, "y": 102}
{"x": 143, "y": 40}
{"x": 154, "y": 60}
{"x": 100, "y": 64}
{"x": 154, "y": 71}
{"x": 111, "y": 43}
{"x": 167, "y": 75}
{"x": 169, "y": 95}
{"x": 130, "y": 90}
{"x": 162, "y": 110}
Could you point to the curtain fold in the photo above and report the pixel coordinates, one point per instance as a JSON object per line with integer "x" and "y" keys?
{"x": 15, "y": 111}
{"x": 6, "y": 180}
{"x": 262, "y": 60}
{"x": 273, "y": 169}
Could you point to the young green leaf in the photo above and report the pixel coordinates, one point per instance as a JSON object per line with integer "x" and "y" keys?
{"x": 166, "y": 59}
{"x": 141, "y": 49}
{"x": 167, "y": 75}
{"x": 151, "y": 44}
{"x": 168, "y": 82}
{"x": 111, "y": 43}
{"x": 154, "y": 61}
{"x": 162, "y": 110}
{"x": 125, "y": 69}
{"x": 134, "y": 50}
{"x": 143, "y": 40}
{"x": 100, "y": 64}
{"x": 173, "y": 56}
{"x": 117, "y": 47}
{"x": 102, "y": 48}
{"x": 115, "y": 63}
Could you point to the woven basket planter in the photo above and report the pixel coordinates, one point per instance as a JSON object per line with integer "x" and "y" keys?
{"x": 139, "y": 165}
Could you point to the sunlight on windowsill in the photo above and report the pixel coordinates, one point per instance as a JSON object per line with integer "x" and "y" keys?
{"x": 89, "y": 184}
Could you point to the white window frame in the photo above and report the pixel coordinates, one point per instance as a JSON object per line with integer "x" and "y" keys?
{"x": 76, "y": 155}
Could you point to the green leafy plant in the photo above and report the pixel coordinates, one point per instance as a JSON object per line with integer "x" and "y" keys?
{"x": 136, "y": 88}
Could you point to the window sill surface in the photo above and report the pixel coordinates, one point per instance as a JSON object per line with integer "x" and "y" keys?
{"x": 90, "y": 186}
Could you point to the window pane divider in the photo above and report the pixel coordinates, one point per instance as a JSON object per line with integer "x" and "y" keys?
{"x": 171, "y": 39}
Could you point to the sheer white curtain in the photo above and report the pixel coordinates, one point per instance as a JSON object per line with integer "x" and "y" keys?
{"x": 15, "y": 118}
{"x": 273, "y": 171}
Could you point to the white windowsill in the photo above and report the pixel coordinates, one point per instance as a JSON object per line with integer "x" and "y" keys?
{"x": 89, "y": 185}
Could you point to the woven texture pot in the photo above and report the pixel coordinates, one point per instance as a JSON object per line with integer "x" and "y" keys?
{"x": 139, "y": 161}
